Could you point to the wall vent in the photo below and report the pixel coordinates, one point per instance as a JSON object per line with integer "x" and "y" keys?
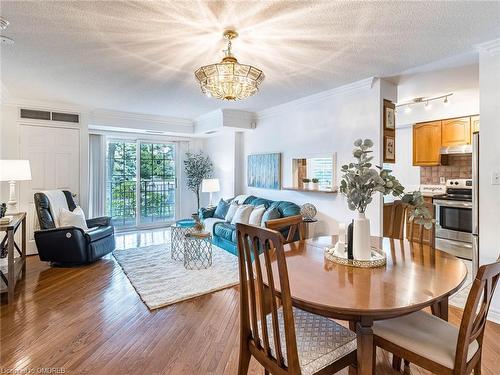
{"x": 49, "y": 116}
{"x": 66, "y": 117}
{"x": 34, "y": 114}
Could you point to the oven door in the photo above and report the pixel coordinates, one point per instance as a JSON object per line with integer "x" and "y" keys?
{"x": 454, "y": 220}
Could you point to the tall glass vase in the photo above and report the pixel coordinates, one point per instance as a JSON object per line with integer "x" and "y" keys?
{"x": 361, "y": 238}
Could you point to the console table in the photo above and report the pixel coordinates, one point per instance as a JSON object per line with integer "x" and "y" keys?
{"x": 9, "y": 274}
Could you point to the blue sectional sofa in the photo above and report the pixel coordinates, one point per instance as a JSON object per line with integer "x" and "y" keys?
{"x": 224, "y": 233}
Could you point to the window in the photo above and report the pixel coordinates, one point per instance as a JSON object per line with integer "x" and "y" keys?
{"x": 140, "y": 183}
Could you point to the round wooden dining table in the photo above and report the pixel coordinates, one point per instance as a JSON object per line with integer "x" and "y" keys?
{"x": 415, "y": 277}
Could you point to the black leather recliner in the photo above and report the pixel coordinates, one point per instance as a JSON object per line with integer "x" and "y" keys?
{"x": 70, "y": 246}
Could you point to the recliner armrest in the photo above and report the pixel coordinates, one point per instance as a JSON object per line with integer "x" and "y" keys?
{"x": 99, "y": 222}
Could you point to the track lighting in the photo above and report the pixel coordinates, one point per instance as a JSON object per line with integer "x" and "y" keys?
{"x": 424, "y": 100}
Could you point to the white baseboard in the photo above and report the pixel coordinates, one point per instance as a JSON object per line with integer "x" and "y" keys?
{"x": 494, "y": 315}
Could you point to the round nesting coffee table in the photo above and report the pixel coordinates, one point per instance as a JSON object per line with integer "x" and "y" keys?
{"x": 197, "y": 250}
{"x": 179, "y": 231}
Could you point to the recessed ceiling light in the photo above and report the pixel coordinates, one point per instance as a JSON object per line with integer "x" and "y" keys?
{"x": 3, "y": 23}
{"x": 5, "y": 39}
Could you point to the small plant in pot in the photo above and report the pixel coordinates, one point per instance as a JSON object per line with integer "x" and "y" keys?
{"x": 360, "y": 181}
{"x": 306, "y": 182}
{"x": 315, "y": 183}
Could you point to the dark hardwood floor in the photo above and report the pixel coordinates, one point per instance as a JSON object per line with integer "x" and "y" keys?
{"x": 89, "y": 320}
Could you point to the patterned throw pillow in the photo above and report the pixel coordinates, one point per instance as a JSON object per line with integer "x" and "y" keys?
{"x": 221, "y": 209}
{"x": 242, "y": 214}
{"x": 256, "y": 215}
{"x": 270, "y": 214}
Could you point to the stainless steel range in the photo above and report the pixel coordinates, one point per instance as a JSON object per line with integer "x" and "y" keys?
{"x": 454, "y": 218}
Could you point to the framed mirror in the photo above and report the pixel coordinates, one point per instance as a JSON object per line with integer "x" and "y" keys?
{"x": 315, "y": 173}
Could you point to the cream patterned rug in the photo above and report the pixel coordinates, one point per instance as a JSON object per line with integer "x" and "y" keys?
{"x": 161, "y": 281}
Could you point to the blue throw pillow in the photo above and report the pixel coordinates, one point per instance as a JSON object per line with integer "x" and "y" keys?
{"x": 221, "y": 209}
{"x": 270, "y": 214}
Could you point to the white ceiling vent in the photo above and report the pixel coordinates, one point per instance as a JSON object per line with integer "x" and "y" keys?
{"x": 35, "y": 114}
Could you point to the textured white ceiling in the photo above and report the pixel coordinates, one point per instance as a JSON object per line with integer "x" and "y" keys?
{"x": 140, "y": 56}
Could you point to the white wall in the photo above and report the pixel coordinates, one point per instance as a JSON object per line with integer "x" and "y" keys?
{"x": 321, "y": 125}
{"x": 221, "y": 148}
{"x": 489, "y": 162}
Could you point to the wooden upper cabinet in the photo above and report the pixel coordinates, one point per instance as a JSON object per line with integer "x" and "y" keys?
{"x": 427, "y": 143}
{"x": 456, "y": 132}
{"x": 474, "y": 123}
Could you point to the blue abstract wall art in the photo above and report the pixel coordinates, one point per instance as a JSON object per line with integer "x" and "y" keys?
{"x": 264, "y": 171}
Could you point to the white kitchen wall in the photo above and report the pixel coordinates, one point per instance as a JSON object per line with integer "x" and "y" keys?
{"x": 489, "y": 162}
{"x": 321, "y": 125}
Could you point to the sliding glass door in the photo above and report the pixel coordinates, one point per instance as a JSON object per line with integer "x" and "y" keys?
{"x": 141, "y": 183}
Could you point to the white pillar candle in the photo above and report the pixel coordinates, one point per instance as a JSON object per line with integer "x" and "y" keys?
{"x": 342, "y": 232}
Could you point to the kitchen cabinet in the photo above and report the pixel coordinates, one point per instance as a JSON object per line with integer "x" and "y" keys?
{"x": 456, "y": 132}
{"x": 427, "y": 143}
{"x": 474, "y": 124}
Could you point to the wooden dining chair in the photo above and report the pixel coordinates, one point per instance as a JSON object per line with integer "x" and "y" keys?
{"x": 435, "y": 344}
{"x": 294, "y": 225}
{"x": 396, "y": 219}
{"x": 287, "y": 340}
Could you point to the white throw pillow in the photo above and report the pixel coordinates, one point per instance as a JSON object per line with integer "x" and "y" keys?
{"x": 231, "y": 211}
{"x": 72, "y": 219}
{"x": 256, "y": 215}
{"x": 242, "y": 214}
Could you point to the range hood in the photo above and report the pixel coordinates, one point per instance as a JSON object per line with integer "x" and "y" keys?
{"x": 464, "y": 149}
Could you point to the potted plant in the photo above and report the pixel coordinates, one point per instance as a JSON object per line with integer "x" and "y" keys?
{"x": 306, "y": 182}
{"x": 315, "y": 183}
{"x": 197, "y": 167}
{"x": 360, "y": 181}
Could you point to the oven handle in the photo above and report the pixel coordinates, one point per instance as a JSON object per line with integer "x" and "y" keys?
{"x": 454, "y": 204}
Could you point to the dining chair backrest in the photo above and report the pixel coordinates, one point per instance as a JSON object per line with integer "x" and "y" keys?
{"x": 476, "y": 312}
{"x": 294, "y": 225}
{"x": 254, "y": 270}
{"x": 396, "y": 220}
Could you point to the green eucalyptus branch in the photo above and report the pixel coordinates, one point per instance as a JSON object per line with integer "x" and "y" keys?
{"x": 360, "y": 181}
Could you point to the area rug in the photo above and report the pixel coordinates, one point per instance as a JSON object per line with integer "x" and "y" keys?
{"x": 161, "y": 281}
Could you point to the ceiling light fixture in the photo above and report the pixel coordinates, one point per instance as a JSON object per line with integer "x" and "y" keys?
{"x": 426, "y": 100}
{"x": 229, "y": 80}
{"x": 3, "y": 25}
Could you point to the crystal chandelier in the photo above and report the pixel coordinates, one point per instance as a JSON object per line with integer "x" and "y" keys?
{"x": 229, "y": 80}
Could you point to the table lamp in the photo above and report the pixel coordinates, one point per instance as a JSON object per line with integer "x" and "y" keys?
{"x": 210, "y": 185}
{"x": 12, "y": 171}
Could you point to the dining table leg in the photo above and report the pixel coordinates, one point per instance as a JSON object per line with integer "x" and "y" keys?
{"x": 365, "y": 351}
{"x": 440, "y": 309}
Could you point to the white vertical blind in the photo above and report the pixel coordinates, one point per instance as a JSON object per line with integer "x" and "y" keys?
{"x": 97, "y": 167}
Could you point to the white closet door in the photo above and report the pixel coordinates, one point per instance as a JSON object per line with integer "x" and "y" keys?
{"x": 54, "y": 155}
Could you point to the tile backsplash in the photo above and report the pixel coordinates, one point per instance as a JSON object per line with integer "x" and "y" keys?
{"x": 459, "y": 166}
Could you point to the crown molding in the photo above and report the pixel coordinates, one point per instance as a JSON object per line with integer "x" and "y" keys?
{"x": 341, "y": 90}
{"x": 155, "y": 119}
{"x": 492, "y": 47}
{"x": 43, "y": 105}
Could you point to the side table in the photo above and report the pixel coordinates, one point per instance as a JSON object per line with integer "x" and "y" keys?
{"x": 197, "y": 250}
{"x": 305, "y": 226}
{"x": 15, "y": 265}
{"x": 179, "y": 231}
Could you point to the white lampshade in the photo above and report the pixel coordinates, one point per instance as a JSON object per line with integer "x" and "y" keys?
{"x": 15, "y": 170}
{"x": 210, "y": 185}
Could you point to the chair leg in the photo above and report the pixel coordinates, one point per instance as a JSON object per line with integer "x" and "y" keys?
{"x": 396, "y": 362}
{"x": 266, "y": 372}
{"x": 407, "y": 367}
{"x": 477, "y": 368}
{"x": 244, "y": 362}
